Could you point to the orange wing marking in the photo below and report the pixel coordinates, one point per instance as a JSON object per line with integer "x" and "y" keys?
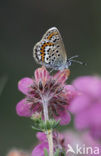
{"x": 43, "y": 49}
{"x": 52, "y": 34}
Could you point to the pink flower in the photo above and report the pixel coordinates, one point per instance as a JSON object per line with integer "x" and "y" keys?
{"x": 49, "y": 89}
{"x": 63, "y": 140}
{"x": 87, "y": 106}
{"x": 39, "y": 149}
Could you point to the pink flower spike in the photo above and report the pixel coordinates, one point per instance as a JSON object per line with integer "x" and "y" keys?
{"x": 24, "y": 84}
{"x": 86, "y": 106}
{"x": 51, "y": 89}
{"x": 90, "y": 85}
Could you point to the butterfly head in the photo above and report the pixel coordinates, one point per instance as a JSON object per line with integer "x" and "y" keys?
{"x": 70, "y": 60}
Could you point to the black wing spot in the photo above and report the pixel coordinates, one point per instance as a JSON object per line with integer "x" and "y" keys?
{"x": 48, "y": 50}
{"x": 58, "y": 46}
{"x": 54, "y": 40}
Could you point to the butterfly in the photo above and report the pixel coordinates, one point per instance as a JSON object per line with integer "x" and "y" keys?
{"x": 50, "y": 51}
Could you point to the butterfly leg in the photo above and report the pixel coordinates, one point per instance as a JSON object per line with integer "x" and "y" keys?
{"x": 51, "y": 70}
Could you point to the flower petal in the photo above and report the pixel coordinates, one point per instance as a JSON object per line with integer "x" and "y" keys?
{"x": 64, "y": 118}
{"x": 62, "y": 76}
{"x": 70, "y": 88}
{"x": 23, "y": 108}
{"x": 24, "y": 84}
{"x": 96, "y": 132}
{"x": 90, "y": 118}
{"x": 39, "y": 149}
{"x": 95, "y": 114}
{"x": 79, "y": 103}
{"x": 70, "y": 92}
{"x": 81, "y": 120}
{"x": 41, "y": 74}
{"x": 41, "y": 136}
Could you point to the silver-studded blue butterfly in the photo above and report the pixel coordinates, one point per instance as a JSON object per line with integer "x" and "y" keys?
{"x": 50, "y": 51}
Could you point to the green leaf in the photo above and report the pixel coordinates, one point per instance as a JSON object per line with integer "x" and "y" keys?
{"x": 45, "y": 152}
{"x": 37, "y": 129}
{"x": 40, "y": 124}
{"x": 57, "y": 152}
{"x": 56, "y": 124}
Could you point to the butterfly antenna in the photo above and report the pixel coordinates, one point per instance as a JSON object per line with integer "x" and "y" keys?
{"x": 80, "y": 62}
{"x": 73, "y": 57}
{"x": 70, "y": 60}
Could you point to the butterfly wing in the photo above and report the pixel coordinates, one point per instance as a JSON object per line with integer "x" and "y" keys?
{"x": 50, "y": 50}
{"x": 41, "y": 52}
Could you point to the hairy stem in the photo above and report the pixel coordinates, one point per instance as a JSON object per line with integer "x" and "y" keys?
{"x": 48, "y": 132}
{"x": 50, "y": 142}
{"x": 45, "y": 110}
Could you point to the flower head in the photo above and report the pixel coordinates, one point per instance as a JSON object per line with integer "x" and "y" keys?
{"x": 46, "y": 89}
{"x": 87, "y": 106}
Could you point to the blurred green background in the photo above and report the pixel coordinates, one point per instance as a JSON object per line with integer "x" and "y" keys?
{"x": 22, "y": 23}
